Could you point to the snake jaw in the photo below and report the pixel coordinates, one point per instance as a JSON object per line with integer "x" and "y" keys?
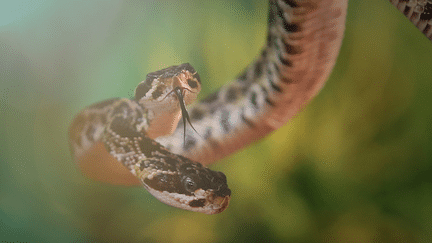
{"x": 204, "y": 202}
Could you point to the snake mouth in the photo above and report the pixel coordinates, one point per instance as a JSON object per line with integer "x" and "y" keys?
{"x": 209, "y": 203}
{"x": 219, "y": 205}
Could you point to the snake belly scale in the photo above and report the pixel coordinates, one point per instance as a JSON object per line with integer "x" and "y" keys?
{"x": 147, "y": 135}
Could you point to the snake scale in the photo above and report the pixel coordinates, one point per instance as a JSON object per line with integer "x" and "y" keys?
{"x": 148, "y": 134}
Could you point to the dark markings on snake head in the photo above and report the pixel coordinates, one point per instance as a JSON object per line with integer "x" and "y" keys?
{"x": 165, "y": 182}
{"x": 223, "y": 191}
{"x": 158, "y": 92}
{"x": 197, "y": 77}
{"x": 224, "y": 121}
{"x": 169, "y": 165}
{"x": 192, "y": 83}
{"x": 171, "y": 71}
{"x": 195, "y": 176}
{"x": 142, "y": 88}
{"x": 231, "y": 95}
{"x": 197, "y": 203}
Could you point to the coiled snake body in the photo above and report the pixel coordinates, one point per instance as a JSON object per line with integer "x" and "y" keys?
{"x": 303, "y": 42}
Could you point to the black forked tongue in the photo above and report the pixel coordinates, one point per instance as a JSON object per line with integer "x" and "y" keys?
{"x": 185, "y": 115}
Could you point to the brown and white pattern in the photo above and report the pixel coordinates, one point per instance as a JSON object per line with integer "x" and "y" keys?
{"x": 126, "y": 128}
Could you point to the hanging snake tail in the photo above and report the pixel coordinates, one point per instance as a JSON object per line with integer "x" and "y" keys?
{"x": 303, "y": 42}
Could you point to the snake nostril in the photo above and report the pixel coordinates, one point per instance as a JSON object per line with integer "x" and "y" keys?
{"x": 224, "y": 191}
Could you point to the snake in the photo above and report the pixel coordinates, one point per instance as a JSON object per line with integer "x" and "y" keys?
{"x": 167, "y": 147}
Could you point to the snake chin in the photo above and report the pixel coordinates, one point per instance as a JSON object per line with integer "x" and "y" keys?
{"x": 207, "y": 202}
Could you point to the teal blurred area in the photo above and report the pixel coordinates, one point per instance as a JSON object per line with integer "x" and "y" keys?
{"x": 354, "y": 166}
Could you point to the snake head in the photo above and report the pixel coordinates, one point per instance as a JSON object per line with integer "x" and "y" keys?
{"x": 190, "y": 186}
{"x": 165, "y": 94}
{"x": 157, "y": 90}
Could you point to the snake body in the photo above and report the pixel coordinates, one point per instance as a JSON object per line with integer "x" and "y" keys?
{"x": 303, "y": 42}
{"x": 126, "y": 127}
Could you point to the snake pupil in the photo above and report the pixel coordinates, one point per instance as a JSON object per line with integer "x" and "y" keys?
{"x": 190, "y": 185}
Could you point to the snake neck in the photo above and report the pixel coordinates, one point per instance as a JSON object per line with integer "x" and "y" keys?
{"x": 162, "y": 123}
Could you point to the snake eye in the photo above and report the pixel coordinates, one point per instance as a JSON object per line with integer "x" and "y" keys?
{"x": 192, "y": 83}
{"x": 190, "y": 185}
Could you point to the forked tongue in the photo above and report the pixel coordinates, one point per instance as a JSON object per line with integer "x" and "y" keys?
{"x": 185, "y": 115}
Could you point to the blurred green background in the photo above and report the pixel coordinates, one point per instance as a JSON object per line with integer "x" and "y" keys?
{"x": 354, "y": 166}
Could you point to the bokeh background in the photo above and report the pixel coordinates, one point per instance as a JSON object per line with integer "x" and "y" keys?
{"x": 354, "y": 166}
